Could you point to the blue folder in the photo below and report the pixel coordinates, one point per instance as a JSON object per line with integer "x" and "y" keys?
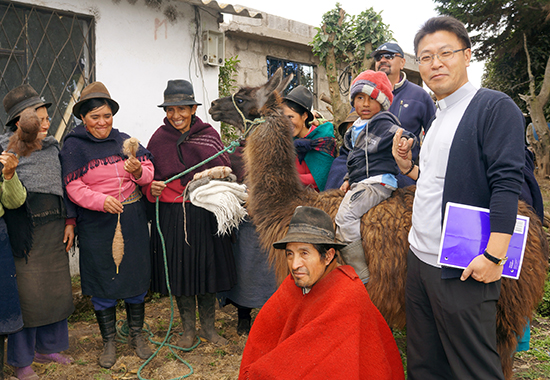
{"x": 465, "y": 234}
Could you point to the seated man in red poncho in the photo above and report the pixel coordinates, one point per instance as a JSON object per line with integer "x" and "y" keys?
{"x": 320, "y": 323}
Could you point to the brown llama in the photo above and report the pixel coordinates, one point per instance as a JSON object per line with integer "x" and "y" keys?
{"x": 275, "y": 191}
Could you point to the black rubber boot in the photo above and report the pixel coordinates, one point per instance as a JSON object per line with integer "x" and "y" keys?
{"x": 187, "y": 307}
{"x": 243, "y": 324}
{"x": 207, "y": 315}
{"x": 2, "y": 337}
{"x": 106, "y": 319}
{"x": 135, "y": 314}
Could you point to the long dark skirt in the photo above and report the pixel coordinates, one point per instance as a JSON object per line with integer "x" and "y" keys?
{"x": 10, "y": 310}
{"x": 97, "y": 267}
{"x": 203, "y": 265}
{"x": 44, "y": 279}
{"x": 256, "y": 280}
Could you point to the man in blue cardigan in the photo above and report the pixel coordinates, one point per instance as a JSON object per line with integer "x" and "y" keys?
{"x": 472, "y": 154}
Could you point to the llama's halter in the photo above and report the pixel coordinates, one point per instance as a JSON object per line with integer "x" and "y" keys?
{"x": 248, "y": 124}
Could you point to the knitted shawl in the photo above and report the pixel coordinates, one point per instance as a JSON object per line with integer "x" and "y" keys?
{"x": 82, "y": 152}
{"x": 194, "y": 146}
{"x": 319, "y": 159}
{"x": 333, "y": 332}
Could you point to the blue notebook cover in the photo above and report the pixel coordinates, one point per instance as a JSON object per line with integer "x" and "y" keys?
{"x": 465, "y": 234}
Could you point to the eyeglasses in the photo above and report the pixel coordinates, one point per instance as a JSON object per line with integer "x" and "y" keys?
{"x": 443, "y": 56}
{"x": 388, "y": 56}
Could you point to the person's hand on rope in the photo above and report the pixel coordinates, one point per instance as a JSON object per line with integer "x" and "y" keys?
{"x": 112, "y": 205}
{"x": 10, "y": 162}
{"x": 156, "y": 188}
{"x": 68, "y": 236}
{"x": 133, "y": 166}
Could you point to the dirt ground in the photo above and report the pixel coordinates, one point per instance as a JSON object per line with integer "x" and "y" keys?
{"x": 217, "y": 362}
{"x": 207, "y": 360}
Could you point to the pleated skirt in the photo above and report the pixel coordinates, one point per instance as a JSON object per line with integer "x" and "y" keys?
{"x": 98, "y": 272}
{"x": 201, "y": 264}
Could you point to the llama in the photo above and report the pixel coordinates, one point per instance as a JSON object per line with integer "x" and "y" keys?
{"x": 275, "y": 191}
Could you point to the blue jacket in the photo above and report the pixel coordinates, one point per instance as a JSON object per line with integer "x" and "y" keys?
{"x": 377, "y": 143}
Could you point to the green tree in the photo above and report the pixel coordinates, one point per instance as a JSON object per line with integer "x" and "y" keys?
{"x": 346, "y": 39}
{"x": 514, "y": 37}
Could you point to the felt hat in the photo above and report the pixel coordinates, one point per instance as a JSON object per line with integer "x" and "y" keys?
{"x": 343, "y": 127}
{"x": 375, "y": 84}
{"x": 95, "y": 90}
{"x": 388, "y": 47}
{"x": 21, "y": 98}
{"x": 179, "y": 92}
{"x": 302, "y": 96}
{"x": 309, "y": 225}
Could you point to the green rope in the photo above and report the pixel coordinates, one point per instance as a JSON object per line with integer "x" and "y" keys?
{"x": 166, "y": 342}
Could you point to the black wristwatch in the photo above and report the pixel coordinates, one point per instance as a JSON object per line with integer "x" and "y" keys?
{"x": 494, "y": 259}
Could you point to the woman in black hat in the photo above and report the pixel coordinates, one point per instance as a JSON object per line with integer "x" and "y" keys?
{"x": 43, "y": 275}
{"x": 200, "y": 263}
{"x": 103, "y": 185}
{"x": 315, "y": 146}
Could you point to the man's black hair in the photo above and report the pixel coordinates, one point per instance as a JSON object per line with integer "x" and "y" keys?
{"x": 446, "y": 23}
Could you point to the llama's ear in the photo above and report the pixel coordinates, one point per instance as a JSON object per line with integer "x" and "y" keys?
{"x": 274, "y": 81}
{"x": 284, "y": 84}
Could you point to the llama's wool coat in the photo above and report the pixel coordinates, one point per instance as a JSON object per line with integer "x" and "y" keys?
{"x": 333, "y": 332}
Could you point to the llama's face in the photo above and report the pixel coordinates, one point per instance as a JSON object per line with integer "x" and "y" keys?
{"x": 306, "y": 264}
{"x": 227, "y": 109}
{"x": 247, "y": 103}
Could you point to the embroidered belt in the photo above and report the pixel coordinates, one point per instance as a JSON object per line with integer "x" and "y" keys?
{"x": 134, "y": 197}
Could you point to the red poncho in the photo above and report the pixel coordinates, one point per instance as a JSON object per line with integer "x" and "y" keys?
{"x": 333, "y": 332}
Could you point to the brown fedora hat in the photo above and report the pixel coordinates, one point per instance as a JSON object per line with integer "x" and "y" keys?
{"x": 309, "y": 225}
{"x": 179, "y": 92}
{"x": 21, "y": 98}
{"x": 95, "y": 90}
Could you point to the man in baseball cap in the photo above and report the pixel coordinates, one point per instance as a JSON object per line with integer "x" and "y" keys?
{"x": 411, "y": 103}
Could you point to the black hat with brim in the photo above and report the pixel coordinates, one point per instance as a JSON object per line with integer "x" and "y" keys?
{"x": 302, "y": 96}
{"x": 179, "y": 92}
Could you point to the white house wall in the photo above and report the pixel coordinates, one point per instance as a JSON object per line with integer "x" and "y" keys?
{"x": 137, "y": 50}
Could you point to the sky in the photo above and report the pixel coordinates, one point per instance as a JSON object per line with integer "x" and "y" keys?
{"x": 404, "y": 17}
